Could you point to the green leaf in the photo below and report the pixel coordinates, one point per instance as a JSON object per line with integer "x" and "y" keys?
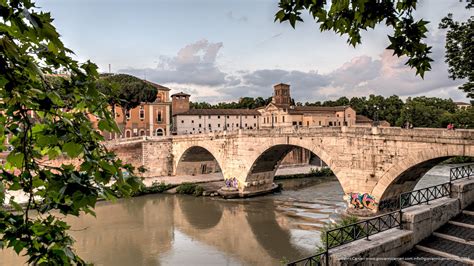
{"x": 72, "y": 149}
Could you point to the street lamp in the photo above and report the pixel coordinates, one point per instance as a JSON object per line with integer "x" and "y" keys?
{"x": 376, "y": 116}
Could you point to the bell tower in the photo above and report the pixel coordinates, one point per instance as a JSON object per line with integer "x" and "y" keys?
{"x": 281, "y": 95}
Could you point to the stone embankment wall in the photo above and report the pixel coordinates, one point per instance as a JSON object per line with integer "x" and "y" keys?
{"x": 419, "y": 222}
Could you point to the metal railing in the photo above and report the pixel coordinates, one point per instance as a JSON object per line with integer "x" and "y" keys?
{"x": 363, "y": 229}
{"x": 461, "y": 172}
{"x": 366, "y": 228}
{"x": 314, "y": 260}
{"x": 424, "y": 195}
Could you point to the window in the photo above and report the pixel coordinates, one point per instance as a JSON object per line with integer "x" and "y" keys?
{"x": 254, "y": 124}
{"x": 283, "y": 119}
{"x": 227, "y": 116}
{"x": 142, "y": 132}
{"x": 182, "y": 121}
{"x": 245, "y": 124}
{"x": 254, "y": 116}
{"x": 237, "y": 125}
{"x": 159, "y": 117}
{"x": 349, "y": 115}
{"x": 276, "y": 119}
{"x": 209, "y": 116}
{"x": 236, "y": 116}
{"x": 319, "y": 122}
{"x": 218, "y": 117}
{"x": 159, "y": 132}
{"x": 307, "y": 123}
{"x": 192, "y": 121}
{"x": 199, "y": 117}
{"x": 128, "y": 133}
{"x": 337, "y": 115}
{"x": 245, "y": 117}
{"x": 142, "y": 113}
{"x": 209, "y": 125}
{"x": 300, "y": 123}
{"x": 218, "y": 125}
{"x": 200, "y": 126}
{"x": 227, "y": 125}
{"x": 330, "y": 123}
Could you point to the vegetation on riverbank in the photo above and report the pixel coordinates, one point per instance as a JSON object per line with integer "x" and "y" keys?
{"x": 313, "y": 173}
{"x": 459, "y": 159}
{"x": 156, "y": 187}
{"x": 345, "y": 235}
{"x": 190, "y": 189}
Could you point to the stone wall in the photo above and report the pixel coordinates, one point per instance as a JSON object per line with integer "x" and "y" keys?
{"x": 418, "y": 223}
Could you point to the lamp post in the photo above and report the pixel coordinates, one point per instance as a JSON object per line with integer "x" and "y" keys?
{"x": 376, "y": 116}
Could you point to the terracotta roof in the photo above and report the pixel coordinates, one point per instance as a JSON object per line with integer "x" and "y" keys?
{"x": 316, "y": 109}
{"x": 220, "y": 112}
{"x": 363, "y": 119}
{"x": 180, "y": 94}
{"x": 158, "y": 86}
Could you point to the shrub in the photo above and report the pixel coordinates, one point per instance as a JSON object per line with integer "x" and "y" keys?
{"x": 155, "y": 187}
{"x": 334, "y": 242}
{"x": 190, "y": 189}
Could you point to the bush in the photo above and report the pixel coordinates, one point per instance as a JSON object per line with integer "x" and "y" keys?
{"x": 313, "y": 173}
{"x": 333, "y": 242}
{"x": 460, "y": 159}
{"x": 190, "y": 189}
{"x": 154, "y": 188}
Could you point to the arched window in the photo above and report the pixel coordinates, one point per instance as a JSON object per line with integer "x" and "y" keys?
{"x": 142, "y": 132}
{"x": 128, "y": 133}
{"x": 159, "y": 132}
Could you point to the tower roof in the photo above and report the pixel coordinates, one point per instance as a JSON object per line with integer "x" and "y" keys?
{"x": 181, "y": 94}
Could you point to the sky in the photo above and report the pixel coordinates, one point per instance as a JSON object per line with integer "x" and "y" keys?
{"x": 222, "y": 50}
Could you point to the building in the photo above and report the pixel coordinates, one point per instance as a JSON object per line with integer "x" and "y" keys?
{"x": 148, "y": 119}
{"x": 196, "y": 121}
{"x": 281, "y": 113}
{"x": 462, "y": 105}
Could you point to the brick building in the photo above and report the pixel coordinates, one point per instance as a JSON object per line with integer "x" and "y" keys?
{"x": 148, "y": 119}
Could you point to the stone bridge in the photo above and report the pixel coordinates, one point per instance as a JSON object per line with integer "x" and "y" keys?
{"x": 372, "y": 164}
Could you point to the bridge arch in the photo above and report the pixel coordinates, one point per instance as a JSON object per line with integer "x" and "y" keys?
{"x": 404, "y": 175}
{"x": 196, "y": 160}
{"x": 265, "y": 163}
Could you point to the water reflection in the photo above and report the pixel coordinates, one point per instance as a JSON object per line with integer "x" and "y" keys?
{"x": 184, "y": 230}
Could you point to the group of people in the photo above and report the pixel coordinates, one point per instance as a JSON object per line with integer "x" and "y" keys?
{"x": 450, "y": 126}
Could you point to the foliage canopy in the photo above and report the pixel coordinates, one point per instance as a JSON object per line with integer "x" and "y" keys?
{"x": 42, "y": 119}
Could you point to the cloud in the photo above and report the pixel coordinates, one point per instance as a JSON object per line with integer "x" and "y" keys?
{"x": 194, "y": 64}
{"x": 232, "y": 17}
{"x": 194, "y": 69}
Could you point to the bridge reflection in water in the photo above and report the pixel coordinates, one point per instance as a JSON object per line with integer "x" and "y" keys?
{"x": 184, "y": 230}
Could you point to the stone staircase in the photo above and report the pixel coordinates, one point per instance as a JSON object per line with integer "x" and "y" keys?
{"x": 451, "y": 244}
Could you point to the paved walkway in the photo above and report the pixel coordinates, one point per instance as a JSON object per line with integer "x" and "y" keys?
{"x": 175, "y": 180}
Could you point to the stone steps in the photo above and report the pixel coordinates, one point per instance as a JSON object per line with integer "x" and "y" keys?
{"x": 451, "y": 244}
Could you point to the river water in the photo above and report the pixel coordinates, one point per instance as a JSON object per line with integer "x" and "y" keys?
{"x": 167, "y": 229}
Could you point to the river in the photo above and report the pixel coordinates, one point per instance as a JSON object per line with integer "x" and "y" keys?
{"x": 165, "y": 229}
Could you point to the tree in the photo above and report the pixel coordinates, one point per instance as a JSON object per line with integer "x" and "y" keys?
{"x": 45, "y": 119}
{"x": 350, "y": 17}
{"x": 127, "y": 92}
{"x": 460, "y": 51}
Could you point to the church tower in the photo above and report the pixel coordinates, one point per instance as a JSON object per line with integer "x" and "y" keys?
{"x": 281, "y": 95}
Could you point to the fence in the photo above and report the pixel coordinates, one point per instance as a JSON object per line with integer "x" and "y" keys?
{"x": 366, "y": 228}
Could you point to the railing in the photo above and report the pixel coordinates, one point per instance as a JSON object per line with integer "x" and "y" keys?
{"x": 461, "y": 172}
{"x": 314, "y": 260}
{"x": 366, "y": 228}
{"x": 363, "y": 229}
{"x": 424, "y": 195}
